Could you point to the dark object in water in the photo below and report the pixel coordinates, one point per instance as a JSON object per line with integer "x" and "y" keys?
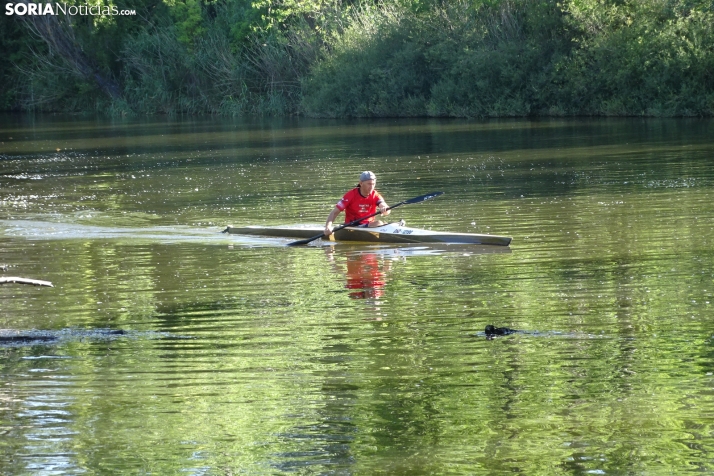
{"x": 26, "y": 339}
{"x": 492, "y": 331}
{"x": 12, "y": 338}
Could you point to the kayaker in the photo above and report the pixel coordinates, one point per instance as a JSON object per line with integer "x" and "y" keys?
{"x": 361, "y": 201}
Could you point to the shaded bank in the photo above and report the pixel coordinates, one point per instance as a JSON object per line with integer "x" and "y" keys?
{"x": 466, "y": 58}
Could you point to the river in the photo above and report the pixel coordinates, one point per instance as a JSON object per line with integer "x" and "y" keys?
{"x": 243, "y": 355}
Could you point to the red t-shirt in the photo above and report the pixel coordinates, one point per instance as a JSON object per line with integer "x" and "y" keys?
{"x": 356, "y": 206}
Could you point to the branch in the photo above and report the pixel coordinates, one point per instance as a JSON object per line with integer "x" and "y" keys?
{"x": 59, "y": 37}
{"x": 35, "y": 282}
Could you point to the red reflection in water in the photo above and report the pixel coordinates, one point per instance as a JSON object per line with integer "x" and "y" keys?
{"x": 364, "y": 276}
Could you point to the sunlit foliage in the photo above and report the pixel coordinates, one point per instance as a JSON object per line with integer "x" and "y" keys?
{"x": 473, "y": 58}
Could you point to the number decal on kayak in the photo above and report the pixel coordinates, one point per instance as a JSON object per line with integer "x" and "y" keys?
{"x": 402, "y": 232}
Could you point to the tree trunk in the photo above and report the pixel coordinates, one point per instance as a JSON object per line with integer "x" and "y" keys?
{"x": 59, "y": 36}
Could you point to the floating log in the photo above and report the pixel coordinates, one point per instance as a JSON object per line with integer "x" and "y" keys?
{"x": 34, "y": 282}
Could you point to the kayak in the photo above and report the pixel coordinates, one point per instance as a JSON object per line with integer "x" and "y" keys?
{"x": 389, "y": 233}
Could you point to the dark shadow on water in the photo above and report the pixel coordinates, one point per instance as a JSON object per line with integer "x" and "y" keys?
{"x": 325, "y": 446}
{"x": 391, "y": 137}
{"x": 19, "y": 338}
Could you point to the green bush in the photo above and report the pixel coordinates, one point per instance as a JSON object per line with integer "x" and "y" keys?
{"x": 341, "y": 58}
{"x": 375, "y": 69}
{"x": 460, "y": 59}
{"x": 640, "y": 58}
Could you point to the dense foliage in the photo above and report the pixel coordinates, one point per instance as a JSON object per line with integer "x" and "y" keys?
{"x": 474, "y": 58}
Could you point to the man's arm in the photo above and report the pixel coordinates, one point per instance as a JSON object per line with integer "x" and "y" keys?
{"x": 383, "y": 207}
{"x": 328, "y": 224}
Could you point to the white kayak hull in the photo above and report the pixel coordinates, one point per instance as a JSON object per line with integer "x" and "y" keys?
{"x": 389, "y": 233}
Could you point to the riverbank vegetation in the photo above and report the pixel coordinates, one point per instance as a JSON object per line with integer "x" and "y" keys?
{"x": 343, "y": 58}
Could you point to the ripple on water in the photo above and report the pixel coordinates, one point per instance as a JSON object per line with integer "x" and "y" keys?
{"x": 356, "y": 359}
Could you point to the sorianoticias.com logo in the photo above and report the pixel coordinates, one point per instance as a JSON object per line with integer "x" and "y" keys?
{"x": 29, "y": 8}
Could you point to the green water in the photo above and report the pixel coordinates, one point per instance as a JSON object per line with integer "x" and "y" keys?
{"x": 244, "y": 356}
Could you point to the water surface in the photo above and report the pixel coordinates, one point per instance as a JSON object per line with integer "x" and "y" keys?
{"x": 247, "y": 356}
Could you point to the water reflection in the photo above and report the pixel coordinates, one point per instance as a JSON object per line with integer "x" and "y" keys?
{"x": 354, "y": 359}
{"x": 367, "y": 269}
{"x": 366, "y": 273}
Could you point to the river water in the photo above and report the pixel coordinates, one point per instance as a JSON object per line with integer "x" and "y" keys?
{"x": 243, "y": 356}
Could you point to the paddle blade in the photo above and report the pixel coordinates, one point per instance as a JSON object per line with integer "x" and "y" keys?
{"x": 423, "y": 197}
{"x": 306, "y": 240}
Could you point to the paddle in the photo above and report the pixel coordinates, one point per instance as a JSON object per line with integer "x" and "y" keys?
{"x": 353, "y": 223}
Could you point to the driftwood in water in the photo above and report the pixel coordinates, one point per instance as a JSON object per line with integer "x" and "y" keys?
{"x": 35, "y": 282}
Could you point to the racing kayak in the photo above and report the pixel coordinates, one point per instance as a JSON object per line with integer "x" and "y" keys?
{"x": 389, "y": 233}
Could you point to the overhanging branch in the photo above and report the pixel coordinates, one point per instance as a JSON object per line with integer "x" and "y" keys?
{"x": 59, "y": 37}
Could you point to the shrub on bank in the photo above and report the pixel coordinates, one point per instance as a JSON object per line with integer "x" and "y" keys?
{"x": 521, "y": 58}
{"x": 641, "y": 58}
{"x": 332, "y": 58}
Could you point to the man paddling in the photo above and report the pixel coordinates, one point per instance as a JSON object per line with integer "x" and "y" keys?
{"x": 361, "y": 201}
